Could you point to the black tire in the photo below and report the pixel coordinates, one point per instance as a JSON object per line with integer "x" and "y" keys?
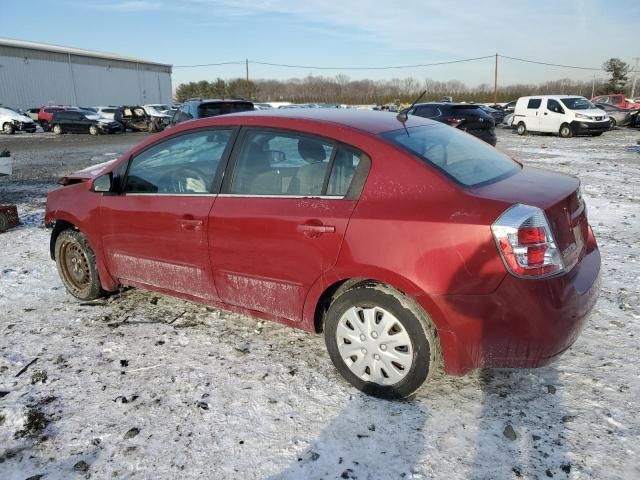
{"x": 45, "y": 125}
{"x": 597, "y": 134}
{"x": 4, "y": 222}
{"x": 8, "y": 128}
{"x": 521, "y": 129}
{"x": 565, "y": 131}
{"x": 93, "y": 130}
{"x": 73, "y": 252}
{"x": 57, "y": 129}
{"x": 417, "y": 324}
{"x": 612, "y": 123}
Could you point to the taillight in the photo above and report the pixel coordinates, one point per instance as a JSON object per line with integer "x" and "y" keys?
{"x": 526, "y": 243}
{"x": 454, "y": 121}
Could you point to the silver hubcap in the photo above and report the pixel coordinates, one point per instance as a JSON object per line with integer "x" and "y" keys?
{"x": 374, "y": 344}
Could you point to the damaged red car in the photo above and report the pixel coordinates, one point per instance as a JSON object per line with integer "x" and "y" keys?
{"x": 411, "y": 245}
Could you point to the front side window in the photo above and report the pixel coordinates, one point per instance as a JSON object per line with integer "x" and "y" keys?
{"x": 273, "y": 163}
{"x": 186, "y": 164}
{"x": 469, "y": 161}
{"x": 554, "y": 106}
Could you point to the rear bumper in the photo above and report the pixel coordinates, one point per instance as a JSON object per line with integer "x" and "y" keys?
{"x": 523, "y": 324}
{"x": 487, "y": 135}
{"x": 590, "y": 127}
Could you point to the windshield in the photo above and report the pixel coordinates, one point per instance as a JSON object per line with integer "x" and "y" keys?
{"x": 577, "y": 103}
{"x": 467, "y": 160}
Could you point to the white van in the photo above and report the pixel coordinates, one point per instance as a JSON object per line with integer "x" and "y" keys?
{"x": 566, "y": 115}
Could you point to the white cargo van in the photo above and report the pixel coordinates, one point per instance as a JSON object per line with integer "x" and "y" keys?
{"x": 566, "y": 115}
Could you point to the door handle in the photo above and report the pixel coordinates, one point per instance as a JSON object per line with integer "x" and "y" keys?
{"x": 190, "y": 224}
{"x": 311, "y": 230}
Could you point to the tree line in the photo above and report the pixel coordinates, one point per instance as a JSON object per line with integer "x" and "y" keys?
{"x": 342, "y": 90}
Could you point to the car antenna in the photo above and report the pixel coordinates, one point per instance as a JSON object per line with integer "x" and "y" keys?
{"x": 403, "y": 116}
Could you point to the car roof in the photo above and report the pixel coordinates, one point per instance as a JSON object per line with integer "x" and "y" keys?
{"x": 221, "y": 100}
{"x": 447, "y": 104}
{"x": 560, "y": 95}
{"x": 369, "y": 121}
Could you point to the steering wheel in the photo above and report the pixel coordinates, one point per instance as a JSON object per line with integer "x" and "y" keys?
{"x": 189, "y": 180}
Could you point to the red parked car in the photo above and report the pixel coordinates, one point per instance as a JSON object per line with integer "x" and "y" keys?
{"x": 407, "y": 244}
{"x": 45, "y": 116}
{"x": 617, "y": 100}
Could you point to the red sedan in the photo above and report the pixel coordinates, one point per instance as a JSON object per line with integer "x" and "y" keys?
{"x": 409, "y": 244}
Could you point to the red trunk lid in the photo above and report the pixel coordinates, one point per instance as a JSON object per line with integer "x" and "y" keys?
{"x": 555, "y": 193}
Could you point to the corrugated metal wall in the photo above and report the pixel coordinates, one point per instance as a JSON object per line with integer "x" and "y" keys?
{"x": 31, "y": 78}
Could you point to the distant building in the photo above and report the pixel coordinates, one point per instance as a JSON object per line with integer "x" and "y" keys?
{"x": 36, "y": 74}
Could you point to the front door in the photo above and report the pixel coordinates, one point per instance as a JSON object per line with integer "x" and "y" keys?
{"x": 155, "y": 232}
{"x": 281, "y": 219}
{"x": 552, "y": 116}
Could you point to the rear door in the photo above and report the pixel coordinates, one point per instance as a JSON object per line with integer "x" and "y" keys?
{"x": 155, "y": 232}
{"x": 280, "y": 219}
{"x": 533, "y": 114}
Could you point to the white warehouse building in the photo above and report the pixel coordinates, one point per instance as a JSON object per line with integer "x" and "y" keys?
{"x": 36, "y": 74}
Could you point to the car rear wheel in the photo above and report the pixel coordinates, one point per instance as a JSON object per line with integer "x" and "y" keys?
{"x": 57, "y": 129}
{"x": 93, "y": 130}
{"x": 521, "y": 129}
{"x": 380, "y": 341}
{"x": 565, "y": 131}
{"x": 76, "y": 264}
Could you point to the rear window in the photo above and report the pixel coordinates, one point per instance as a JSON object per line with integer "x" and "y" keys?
{"x": 222, "y": 108}
{"x": 465, "y": 159}
{"x": 534, "y": 103}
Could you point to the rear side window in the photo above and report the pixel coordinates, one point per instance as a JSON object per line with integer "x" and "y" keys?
{"x": 534, "y": 103}
{"x": 427, "y": 111}
{"x": 222, "y": 108}
{"x": 465, "y": 159}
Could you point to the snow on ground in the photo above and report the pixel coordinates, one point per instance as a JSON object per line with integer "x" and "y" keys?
{"x": 143, "y": 386}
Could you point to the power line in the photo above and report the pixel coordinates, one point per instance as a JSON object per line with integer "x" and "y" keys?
{"x": 315, "y": 67}
{"x": 239, "y": 62}
{"x": 552, "y": 64}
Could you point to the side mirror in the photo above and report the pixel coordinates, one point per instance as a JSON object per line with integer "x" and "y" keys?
{"x": 103, "y": 183}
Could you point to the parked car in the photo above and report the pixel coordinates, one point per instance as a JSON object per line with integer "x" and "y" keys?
{"x": 566, "y": 115}
{"x": 46, "y": 113}
{"x": 198, "y": 108}
{"x": 32, "y": 113}
{"x": 158, "y": 113}
{"x": 467, "y": 117}
{"x": 509, "y": 107}
{"x": 106, "y": 111}
{"x": 135, "y": 118}
{"x": 404, "y": 242}
{"x": 497, "y": 114}
{"x": 76, "y": 121}
{"x": 619, "y": 116}
{"x": 618, "y": 100}
{"x": 262, "y": 106}
{"x": 12, "y": 121}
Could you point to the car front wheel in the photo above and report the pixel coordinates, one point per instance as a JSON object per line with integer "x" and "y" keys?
{"x": 8, "y": 128}
{"x": 93, "y": 130}
{"x": 380, "y": 341}
{"x": 76, "y": 264}
{"x": 566, "y": 131}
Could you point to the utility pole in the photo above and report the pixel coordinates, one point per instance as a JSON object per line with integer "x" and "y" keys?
{"x": 495, "y": 83}
{"x": 246, "y": 64}
{"x": 593, "y": 86}
{"x": 635, "y": 77}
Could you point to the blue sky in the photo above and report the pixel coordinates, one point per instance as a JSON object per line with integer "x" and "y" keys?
{"x": 341, "y": 33}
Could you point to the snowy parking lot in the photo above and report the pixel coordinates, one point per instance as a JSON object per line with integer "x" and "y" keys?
{"x": 144, "y": 386}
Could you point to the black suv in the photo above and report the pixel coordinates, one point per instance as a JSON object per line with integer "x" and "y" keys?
{"x": 464, "y": 116}
{"x": 78, "y": 121}
{"x": 198, "y": 108}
